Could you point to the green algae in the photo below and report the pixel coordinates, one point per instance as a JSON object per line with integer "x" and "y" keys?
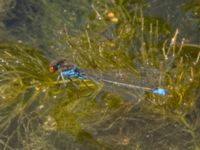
{"x": 36, "y": 112}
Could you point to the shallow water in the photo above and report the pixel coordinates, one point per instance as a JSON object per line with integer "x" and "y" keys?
{"x": 139, "y": 43}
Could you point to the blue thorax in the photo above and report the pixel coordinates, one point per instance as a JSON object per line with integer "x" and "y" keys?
{"x": 74, "y": 73}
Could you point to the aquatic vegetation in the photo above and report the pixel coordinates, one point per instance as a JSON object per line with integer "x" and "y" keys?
{"x": 110, "y": 41}
{"x": 28, "y": 92}
{"x": 172, "y": 64}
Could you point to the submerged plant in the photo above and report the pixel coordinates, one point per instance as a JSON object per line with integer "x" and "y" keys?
{"x": 115, "y": 44}
{"x": 171, "y": 64}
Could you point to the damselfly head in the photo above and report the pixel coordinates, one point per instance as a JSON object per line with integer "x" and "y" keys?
{"x": 60, "y": 64}
{"x": 56, "y": 65}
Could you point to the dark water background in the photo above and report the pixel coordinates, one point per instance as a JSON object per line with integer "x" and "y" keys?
{"x": 37, "y": 113}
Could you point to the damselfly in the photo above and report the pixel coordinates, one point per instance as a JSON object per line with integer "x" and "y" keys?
{"x": 71, "y": 71}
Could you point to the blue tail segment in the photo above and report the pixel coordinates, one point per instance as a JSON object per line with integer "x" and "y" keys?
{"x": 159, "y": 91}
{"x": 74, "y": 73}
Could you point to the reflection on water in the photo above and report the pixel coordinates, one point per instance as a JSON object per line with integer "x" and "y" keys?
{"x": 143, "y": 44}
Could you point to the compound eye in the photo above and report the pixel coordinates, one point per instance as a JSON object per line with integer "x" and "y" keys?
{"x": 52, "y": 69}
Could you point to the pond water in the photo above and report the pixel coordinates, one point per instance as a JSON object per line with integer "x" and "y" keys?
{"x": 140, "y": 61}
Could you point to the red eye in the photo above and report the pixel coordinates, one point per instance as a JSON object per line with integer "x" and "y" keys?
{"x": 52, "y": 69}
